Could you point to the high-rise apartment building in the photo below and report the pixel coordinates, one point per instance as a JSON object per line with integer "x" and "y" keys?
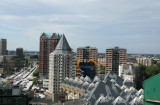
{"x": 19, "y": 52}
{"x": 62, "y": 63}
{"x": 87, "y": 53}
{"x": 115, "y": 57}
{"x": 3, "y": 46}
{"x": 48, "y": 43}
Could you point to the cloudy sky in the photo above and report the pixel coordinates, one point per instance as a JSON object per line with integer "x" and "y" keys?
{"x": 130, "y": 24}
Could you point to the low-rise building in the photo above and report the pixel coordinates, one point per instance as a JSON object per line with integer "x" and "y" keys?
{"x": 45, "y": 83}
{"x": 102, "y": 61}
{"x": 126, "y": 72}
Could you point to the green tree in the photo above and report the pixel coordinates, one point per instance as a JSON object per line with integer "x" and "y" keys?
{"x": 36, "y": 73}
{"x": 158, "y": 65}
{"x": 5, "y": 83}
{"x": 154, "y": 62}
{"x": 35, "y": 81}
{"x": 140, "y": 76}
{"x": 152, "y": 71}
{"x": 102, "y": 67}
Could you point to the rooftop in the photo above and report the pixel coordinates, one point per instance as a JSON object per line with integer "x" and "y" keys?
{"x": 87, "y": 47}
{"x": 62, "y": 47}
{"x": 49, "y": 35}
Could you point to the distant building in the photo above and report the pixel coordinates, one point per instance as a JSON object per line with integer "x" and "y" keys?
{"x": 62, "y": 63}
{"x": 48, "y": 43}
{"x": 87, "y": 53}
{"x": 102, "y": 61}
{"x": 10, "y": 62}
{"x": 3, "y": 46}
{"x": 115, "y": 57}
{"x": 19, "y": 52}
{"x": 11, "y": 52}
{"x": 86, "y": 68}
{"x": 145, "y": 61}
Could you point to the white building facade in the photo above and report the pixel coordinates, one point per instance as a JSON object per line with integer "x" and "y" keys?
{"x": 126, "y": 72}
{"x": 45, "y": 83}
{"x": 62, "y": 64}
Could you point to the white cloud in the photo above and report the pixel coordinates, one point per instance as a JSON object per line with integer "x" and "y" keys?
{"x": 99, "y": 23}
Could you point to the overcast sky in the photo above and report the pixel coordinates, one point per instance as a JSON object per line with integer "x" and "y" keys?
{"x": 130, "y": 24}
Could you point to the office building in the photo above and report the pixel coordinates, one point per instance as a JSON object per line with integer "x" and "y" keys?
{"x": 3, "y": 46}
{"x": 62, "y": 63}
{"x": 115, "y": 57}
{"x": 87, "y": 53}
{"x": 48, "y": 43}
{"x": 19, "y": 52}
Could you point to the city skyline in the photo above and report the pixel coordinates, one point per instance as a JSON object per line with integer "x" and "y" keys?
{"x": 103, "y": 24}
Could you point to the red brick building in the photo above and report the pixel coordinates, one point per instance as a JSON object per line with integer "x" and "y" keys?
{"x": 48, "y": 43}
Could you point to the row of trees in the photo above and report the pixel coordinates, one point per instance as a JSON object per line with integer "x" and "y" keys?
{"x": 36, "y": 75}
